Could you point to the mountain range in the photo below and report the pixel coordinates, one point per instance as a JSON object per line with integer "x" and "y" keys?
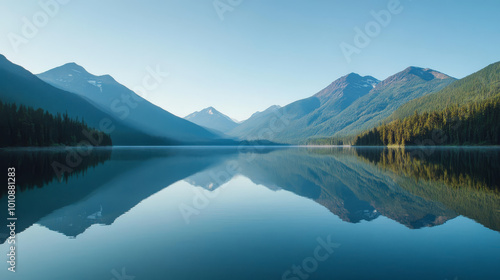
{"x": 19, "y": 86}
{"x": 111, "y": 97}
{"x": 344, "y": 181}
{"x": 348, "y": 106}
{"x": 477, "y": 87}
{"x": 212, "y": 119}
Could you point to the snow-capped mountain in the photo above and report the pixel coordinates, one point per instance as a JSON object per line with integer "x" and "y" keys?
{"x": 21, "y": 87}
{"x": 213, "y": 119}
{"x": 121, "y": 102}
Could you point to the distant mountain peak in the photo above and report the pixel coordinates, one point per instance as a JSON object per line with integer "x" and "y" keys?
{"x": 210, "y": 110}
{"x": 352, "y": 80}
{"x": 68, "y": 75}
{"x": 72, "y": 66}
{"x": 425, "y": 73}
{"x": 156, "y": 124}
{"x": 271, "y": 108}
{"x": 352, "y": 75}
{"x": 69, "y": 70}
{"x": 411, "y": 72}
{"x": 213, "y": 119}
{"x": 356, "y": 79}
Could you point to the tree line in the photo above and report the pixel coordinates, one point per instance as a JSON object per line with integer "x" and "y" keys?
{"x": 24, "y": 126}
{"x": 454, "y": 167}
{"x": 476, "y": 123}
{"x": 464, "y": 180}
{"x": 330, "y": 141}
{"x": 38, "y": 165}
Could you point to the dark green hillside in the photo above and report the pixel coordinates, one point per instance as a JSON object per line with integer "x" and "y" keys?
{"x": 477, "y": 87}
{"x": 386, "y": 97}
{"x": 346, "y": 107}
{"x": 26, "y": 127}
{"x": 476, "y": 123}
{"x": 19, "y": 86}
{"x": 304, "y": 118}
{"x": 465, "y": 181}
{"x": 349, "y": 188}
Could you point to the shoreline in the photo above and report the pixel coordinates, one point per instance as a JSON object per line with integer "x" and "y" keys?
{"x": 60, "y": 148}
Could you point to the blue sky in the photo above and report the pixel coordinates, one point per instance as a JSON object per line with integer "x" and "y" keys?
{"x": 261, "y": 53}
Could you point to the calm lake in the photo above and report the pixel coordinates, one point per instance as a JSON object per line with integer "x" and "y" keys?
{"x": 255, "y": 213}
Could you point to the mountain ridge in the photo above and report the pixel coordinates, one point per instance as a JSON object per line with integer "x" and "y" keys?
{"x": 391, "y": 93}
{"x": 213, "y": 119}
{"x": 348, "y": 105}
{"x": 21, "y": 87}
{"x": 306, "y": 113}
{"x": 116, "y": 99}
{"x": 478, "y": 86}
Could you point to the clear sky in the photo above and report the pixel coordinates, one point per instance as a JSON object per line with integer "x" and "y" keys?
{"x": 262, "y": 53}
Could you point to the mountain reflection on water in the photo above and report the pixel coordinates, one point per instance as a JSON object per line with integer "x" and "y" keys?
{"x": 415, "y": 187}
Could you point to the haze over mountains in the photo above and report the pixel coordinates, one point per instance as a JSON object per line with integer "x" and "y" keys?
{"x": 21, "y": 87}
{"x": 249, "y": 128}
{"x": 479, "y": 86}
{"x": 309, "y": 113}
{"x": 386, "y": 97}
{"x": 348, "y": 106}
{"x": 341, "y": 180}
{"x": 213, "y": 119}
{"x": 115, "y": 99}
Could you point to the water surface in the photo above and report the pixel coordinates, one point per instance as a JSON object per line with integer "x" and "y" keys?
{"x": 257, "y": 213}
